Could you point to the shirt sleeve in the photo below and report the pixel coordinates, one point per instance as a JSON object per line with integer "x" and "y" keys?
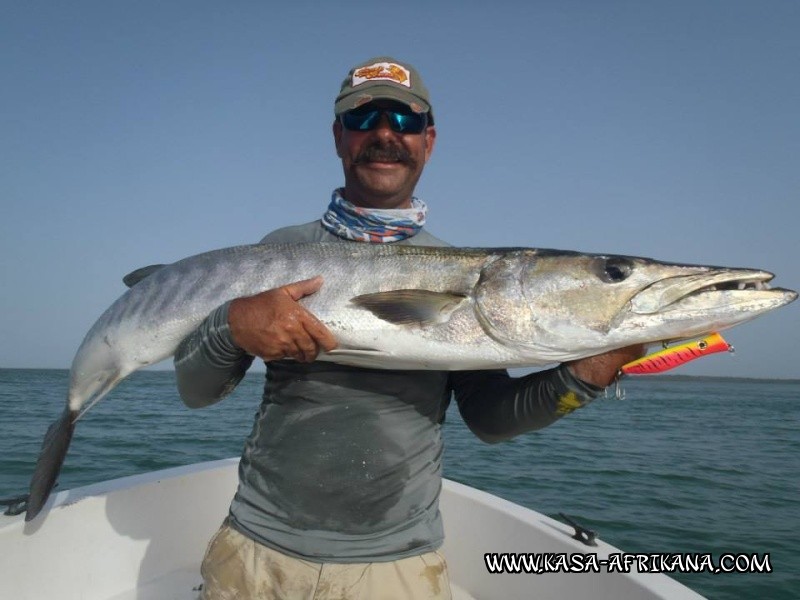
{"x": 498, "y": 407}
{"x": 208, "y": 365}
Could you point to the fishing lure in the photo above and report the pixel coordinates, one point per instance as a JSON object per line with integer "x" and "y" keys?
{"x": 674, "y": 356}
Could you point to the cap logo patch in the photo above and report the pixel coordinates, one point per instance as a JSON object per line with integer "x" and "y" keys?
{"x": 385, "y": 71}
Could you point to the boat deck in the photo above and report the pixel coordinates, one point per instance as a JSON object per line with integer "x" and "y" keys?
{"x": 143, "y": 538}
{"x": 184, "y": 585}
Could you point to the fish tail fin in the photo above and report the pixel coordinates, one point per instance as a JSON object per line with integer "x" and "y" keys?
{"x": 54, "y": 449}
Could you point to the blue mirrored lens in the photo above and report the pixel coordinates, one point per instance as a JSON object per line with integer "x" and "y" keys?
{"x": 365, "y": 121}
{"x": 407, "y": 123}
{"x": 356, "y": 120}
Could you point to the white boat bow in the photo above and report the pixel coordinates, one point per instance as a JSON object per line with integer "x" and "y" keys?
{"x": 143, "y": 537}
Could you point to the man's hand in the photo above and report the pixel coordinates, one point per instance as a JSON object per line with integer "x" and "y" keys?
{"x": 272, "y": 325}
{"x": 601, "y": 370}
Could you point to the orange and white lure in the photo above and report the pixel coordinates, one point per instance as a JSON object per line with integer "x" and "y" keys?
{"x": 675, "y": 356}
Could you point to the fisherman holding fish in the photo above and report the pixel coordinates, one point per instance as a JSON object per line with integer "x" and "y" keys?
{"x": 339, "y": 480}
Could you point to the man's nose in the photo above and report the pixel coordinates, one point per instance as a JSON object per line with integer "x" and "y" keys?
{"x": 384, "y": 128}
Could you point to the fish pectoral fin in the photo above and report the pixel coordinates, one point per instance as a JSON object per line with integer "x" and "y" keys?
{"x": 134, "y": 277}
{"x": 411, "y": 307}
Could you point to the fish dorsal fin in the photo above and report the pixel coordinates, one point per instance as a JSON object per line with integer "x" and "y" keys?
{"x": 411, "y": 307}
{"x": 134, "y": 277}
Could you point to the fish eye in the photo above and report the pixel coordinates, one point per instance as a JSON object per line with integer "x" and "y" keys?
{"x": 616, "y": 269}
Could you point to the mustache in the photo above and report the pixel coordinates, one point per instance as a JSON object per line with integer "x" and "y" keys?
{"x": 384, "y": 153}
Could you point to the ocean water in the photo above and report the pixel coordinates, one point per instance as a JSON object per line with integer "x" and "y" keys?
{"x": 681, "y": 465}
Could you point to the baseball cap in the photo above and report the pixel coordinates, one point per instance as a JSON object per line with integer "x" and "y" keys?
{"x": 383, "y": 78}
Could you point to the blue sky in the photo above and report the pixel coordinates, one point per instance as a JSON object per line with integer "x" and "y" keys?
{"x": 144, "y": 132}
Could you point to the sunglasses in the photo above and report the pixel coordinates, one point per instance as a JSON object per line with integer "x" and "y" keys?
{"x": 367, "y": 119}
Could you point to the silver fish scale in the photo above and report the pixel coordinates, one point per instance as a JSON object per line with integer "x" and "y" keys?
{"x": 149, "y": 320}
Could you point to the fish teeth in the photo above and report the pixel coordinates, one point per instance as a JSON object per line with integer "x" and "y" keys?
{"x": 739, "y": 285}
{"x": 753, "y": 285}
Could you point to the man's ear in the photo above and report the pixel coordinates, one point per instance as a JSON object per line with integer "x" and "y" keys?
{"x": 430, "y": 141}
{"x": 337, "y": 136}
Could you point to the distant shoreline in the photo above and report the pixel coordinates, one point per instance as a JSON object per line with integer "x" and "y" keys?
{"x": 260, "y": 371}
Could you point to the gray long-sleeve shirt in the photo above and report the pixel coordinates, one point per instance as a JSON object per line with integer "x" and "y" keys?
{"x": 344, "y": 464}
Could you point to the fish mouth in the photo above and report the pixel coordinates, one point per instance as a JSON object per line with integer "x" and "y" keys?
{"x": 719, "y": 286}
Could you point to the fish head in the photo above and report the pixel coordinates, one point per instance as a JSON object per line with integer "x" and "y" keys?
{"x": 568, "y": 304}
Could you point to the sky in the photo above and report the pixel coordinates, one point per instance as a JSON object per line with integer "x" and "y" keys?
{"x": 134, "y": 133}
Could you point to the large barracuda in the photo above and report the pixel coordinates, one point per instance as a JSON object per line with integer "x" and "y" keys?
{"x": 407, "y": 307}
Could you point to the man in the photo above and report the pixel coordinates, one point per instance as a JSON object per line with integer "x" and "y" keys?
{"x": 339, "y": 480}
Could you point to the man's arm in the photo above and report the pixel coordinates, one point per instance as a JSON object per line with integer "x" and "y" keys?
{"x": 208, "y": 364}
{"x": 212, "y": 360}
{"x": 498, "y": 407}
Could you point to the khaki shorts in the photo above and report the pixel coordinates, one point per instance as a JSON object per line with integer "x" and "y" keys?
{"x": 238, "y": 568}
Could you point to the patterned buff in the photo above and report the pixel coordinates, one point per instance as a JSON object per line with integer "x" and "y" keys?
{"x": 373, "y": 224}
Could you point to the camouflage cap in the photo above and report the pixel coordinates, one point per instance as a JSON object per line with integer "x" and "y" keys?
{"x": 383, "y": 78}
